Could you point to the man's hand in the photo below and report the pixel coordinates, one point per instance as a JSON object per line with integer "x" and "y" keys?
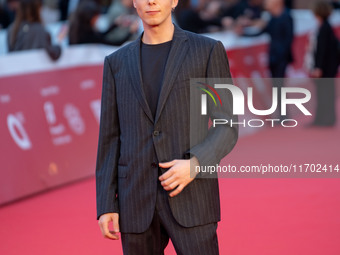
{"x": 316, "y": 73}
{"x": 104, "y": 222}
{"x": 178, "y": 175}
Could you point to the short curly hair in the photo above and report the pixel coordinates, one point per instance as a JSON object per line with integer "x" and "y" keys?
{"x": 322, "y": 9}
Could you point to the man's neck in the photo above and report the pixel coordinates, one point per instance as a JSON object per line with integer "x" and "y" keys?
{"x": 158, "y": 34}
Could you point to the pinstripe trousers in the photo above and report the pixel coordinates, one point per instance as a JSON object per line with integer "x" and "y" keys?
{"x": 198, "y": 240}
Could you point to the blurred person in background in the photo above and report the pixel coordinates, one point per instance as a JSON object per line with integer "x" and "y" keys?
{"x": 281, "y": 31}
{"x": 212, "y": 16}
{"x": 49, "y": 12}
{"x": 7, "y": 12}
{"x": 68, "y": 7}
{"x": 82, "y": 27}
{"x": 5, "y": 18}
{"x": 121, "y": 12}
{"x": 289, "y": 4}
{"x": 63, "y": 8}
{"x": 217, "y": 15}
{"x": 27, "y": 32}
{"x": 188, "y": 18}
{"x": 326, "y": 61}
{"x": 336, "y": 4}
{"x": 253, "y": 10}
{"x": 240, "y": 7}
{"x": 206, "y": 17}
{"x": 245, "y": 13}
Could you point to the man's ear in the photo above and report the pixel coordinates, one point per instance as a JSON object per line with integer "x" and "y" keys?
{"x": 174, "y": 4}
{"x": 134, "y": 4}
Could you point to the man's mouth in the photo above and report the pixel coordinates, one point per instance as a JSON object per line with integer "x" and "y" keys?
{"x": 152, "y": 12}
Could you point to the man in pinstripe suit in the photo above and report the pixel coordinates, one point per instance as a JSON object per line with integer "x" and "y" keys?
{"x": 144, "y": 185}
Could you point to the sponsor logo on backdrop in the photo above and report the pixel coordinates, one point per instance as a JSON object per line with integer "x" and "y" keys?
{"x": 239, "y": 104}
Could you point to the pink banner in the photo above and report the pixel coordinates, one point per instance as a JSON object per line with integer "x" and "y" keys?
{"x": 49, "y": 129}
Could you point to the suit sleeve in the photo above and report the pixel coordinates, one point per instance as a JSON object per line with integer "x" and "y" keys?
{"x": 45, "y": 42}
{"x": 108, "y": 147}
{"x": 222, "y": 138}
{"x": 261, "y": 32}
{"x": 54, "y": 51}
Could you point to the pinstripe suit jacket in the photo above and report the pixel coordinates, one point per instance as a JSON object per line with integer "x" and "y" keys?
{"x": 132, "y": 141}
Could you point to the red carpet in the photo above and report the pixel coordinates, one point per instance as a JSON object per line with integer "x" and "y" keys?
{"x": 259, "y": 216}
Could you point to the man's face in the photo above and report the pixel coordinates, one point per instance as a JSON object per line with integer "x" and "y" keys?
{"x": 155, "y": 12}
{"x": 270, "y": 5}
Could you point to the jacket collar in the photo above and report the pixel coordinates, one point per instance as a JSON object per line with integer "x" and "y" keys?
{"x": 179, "y": 48}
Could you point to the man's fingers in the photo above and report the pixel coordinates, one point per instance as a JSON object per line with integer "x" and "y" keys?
{"x": 104, "y": 222}
{"x": 167, "y": 164}
{"x": 116, "y": 223}
{"x": 168, "y": 180}
{"x": 171, "y": 186}
{"x": 113, "y": 235}
{"x": 177, "y": 191}
{"x": 109, "y": 234}
{"x": 105, "y": 229}
{"x": 101, "y": 227}
{"x": 166, "y": 175}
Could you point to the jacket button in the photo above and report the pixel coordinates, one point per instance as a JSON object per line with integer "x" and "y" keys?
{"x": 154, "y": 164}
{"x": 156, "y": 133}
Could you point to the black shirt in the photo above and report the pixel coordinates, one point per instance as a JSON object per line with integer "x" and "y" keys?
{"x": 153, "y": 61}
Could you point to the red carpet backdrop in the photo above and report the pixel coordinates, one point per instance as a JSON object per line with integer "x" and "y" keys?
{"x": 49, "y": 124}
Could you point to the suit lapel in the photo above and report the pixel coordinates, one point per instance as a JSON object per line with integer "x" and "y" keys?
{"x": 134, "y": 63}
{"x": 176, "y": 56}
